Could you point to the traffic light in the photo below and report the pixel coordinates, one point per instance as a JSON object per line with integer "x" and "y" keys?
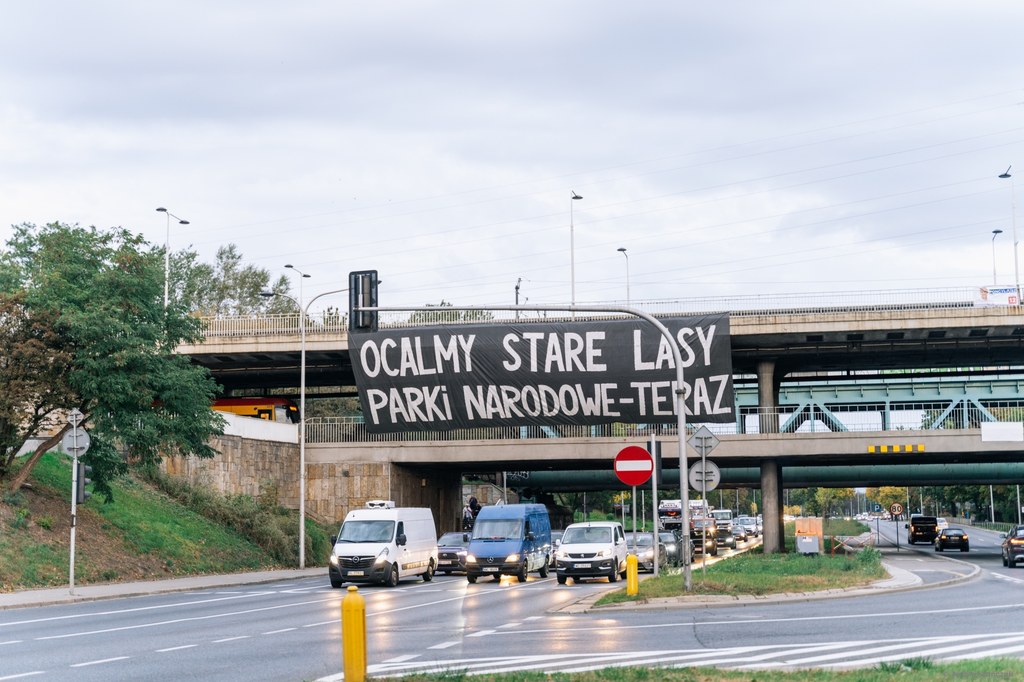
{"x": 362, "y": 293}
{"x": 81, "y": 494}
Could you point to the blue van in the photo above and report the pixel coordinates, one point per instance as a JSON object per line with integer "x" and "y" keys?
{"x": 510, "y": 539}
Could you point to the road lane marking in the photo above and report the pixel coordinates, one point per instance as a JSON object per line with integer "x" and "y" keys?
{"x": 98, "y": 662}
{"x": 444, "y": 645}
{"x": 176, "y": 648}
{"x": 509, "y": 625}
{"x": 230, "y": 639}
{"x": 11, "y": 641}
{"x": 277, "y": 632}
{"x": 482, "y": 633}
{"x": 18, "y": 676}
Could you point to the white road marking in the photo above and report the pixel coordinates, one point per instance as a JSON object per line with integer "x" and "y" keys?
{"x": 444, "y": 645}
{"x": 230, "y": 639}
{"x": 277, "y": 632}
{"x": 176, "y": 648}
{"x": 21, "y": 675}
{"x": 98, "y": 662}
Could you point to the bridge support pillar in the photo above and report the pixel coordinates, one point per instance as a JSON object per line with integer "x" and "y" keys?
{"x": 767, "y": 397}
{"x": 771, "y": 499}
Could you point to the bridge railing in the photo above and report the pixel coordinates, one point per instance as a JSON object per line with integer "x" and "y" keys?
{"x": 753, "y": 422}
{"x": 818, "y": 303}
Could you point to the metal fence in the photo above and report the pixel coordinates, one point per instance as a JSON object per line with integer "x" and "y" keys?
{"x": 817, "y": 303}
{"x": 753, "y": 422}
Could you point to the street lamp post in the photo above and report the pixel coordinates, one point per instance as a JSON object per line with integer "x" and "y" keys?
{"x": 622, "y": 250}
{"x": 167, "y": 249}
{"x": 303, "y": 314}
{"x": 995, "y": 233}
{"x": 1013, "y": 221}
{"x": 572, "y": 249}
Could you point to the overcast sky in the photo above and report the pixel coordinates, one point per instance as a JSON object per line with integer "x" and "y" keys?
{"x": 731, "y": 147}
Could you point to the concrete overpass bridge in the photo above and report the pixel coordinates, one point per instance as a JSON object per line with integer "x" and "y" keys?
{"x": 880, "y": 346}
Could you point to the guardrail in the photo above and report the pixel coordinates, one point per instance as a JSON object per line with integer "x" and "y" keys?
{"x": 823, "y": 303}
{"x": 848, "y": 418}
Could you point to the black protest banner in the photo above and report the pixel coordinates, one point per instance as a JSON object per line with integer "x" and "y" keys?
{"x": 592, "y": 372}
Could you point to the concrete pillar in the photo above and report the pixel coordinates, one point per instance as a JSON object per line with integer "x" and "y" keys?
{"x": 771, "y": 500}
{"x": 767, "y": 397}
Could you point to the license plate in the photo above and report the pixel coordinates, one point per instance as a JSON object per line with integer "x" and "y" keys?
{"x": 581, "y": 565}
{"x": 355, "y": 572}
{"x": 490, "y": 569}
{"x": 445, "y": 563}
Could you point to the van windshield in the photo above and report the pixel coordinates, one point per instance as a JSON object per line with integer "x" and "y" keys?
{"x": 367, "y": 531}
{"x": 498, "y": 529}
{"x": 579, "y": 536}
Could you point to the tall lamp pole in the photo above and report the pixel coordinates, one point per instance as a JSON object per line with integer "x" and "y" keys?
{"x": 572, "y": 249}
{"x": 303, "y": 314}
{"x": 167, "y": 249}
{"x": 622, "y": 250}
{"x": 1013, "y": 221}
{"x": 995, "y": 233}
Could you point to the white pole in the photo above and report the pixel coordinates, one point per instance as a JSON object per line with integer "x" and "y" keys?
{"x": 74, "y": 511}
{"x": 654, "y": 500}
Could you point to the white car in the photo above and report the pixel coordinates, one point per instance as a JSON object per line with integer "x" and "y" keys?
{"x": 941, "y": 524}
{"x": 593, "y": 549}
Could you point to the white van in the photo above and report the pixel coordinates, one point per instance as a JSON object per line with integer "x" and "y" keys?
{"x": 591, "y": 549}
{"x": 383, "y": 544}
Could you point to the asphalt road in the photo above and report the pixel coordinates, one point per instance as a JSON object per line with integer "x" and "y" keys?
{"x": 946, "y": 607}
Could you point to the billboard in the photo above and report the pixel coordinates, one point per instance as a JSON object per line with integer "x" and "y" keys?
{"x": 541, "y": 374}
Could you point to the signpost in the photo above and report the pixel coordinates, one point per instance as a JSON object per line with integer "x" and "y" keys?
{"x": 634, "y": 466}
{"x": 703, "y": 441}
{"x": 896, "y": 509}
{"x": 75, "y": 442}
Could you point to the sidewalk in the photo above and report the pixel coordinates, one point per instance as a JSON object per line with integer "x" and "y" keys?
{"x": 62, "y": 595}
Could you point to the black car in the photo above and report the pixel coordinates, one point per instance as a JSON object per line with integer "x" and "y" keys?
{"x": 952, "y": 538}
{"x": 1013, "y": 547}
{"x": 451, "y": 552}
{"x": 704, "y": 534}
{"x": 674, "y": 547}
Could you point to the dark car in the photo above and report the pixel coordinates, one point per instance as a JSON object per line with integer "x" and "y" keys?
{"x": 704, "y": 533}
{"x": 451, "y": 552}
{"x": 674, "y": 547}
{"x": 642, "y": 545}
{"x": 952, "y": 538}
{"x": 1013, "y": 547}
{"x": 922, "y": 528}
{"x": 739, "y": 533}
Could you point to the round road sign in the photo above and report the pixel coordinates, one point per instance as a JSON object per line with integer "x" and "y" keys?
{"x": 895, "y": 508}
{"x": 704, "y": 475}
{"x": 634, "y": 465}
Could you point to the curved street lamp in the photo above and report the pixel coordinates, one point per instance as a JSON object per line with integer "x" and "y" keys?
{"x": 167, "y": 248}
{"x": 303, "y": 314}
{"x": 572, "y": 249}
{"x": 1005, "y": 175}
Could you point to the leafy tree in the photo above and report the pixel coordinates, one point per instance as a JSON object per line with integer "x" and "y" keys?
{"x": 227, "y": 287}
{"x": 85, "y": 307}
{"x": 829, "y": 499}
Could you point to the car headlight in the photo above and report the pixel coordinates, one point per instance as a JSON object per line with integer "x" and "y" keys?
{"x": 334, "y": 559}
{"x": 470, "y": 559}
{"x": 512, "y": 558}
{"x": 604, "y": 553}
{"x": 561, "y": 556}
{"x": 383, "y": 556}
{"x": 647, "y": 554}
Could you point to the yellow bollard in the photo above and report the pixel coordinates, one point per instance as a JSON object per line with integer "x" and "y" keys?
{"x": 632, "y": 576}
{"x": 353, "y": 635}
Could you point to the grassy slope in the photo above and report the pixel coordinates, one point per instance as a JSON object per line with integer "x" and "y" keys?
{"x": 141, "y": 534}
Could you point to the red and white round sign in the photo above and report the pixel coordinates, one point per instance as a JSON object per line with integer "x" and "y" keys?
{"x": 634, "y": 465}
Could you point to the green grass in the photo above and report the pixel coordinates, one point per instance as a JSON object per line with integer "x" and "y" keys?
{"x": 911, "y": 670}
{"x": 754, "y": 573}
{"x": 142, "y": 533}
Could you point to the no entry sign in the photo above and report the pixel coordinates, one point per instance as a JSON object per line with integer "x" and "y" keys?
{"x": 634, "y": 465}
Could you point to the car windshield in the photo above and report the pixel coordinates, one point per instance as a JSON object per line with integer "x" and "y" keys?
{"x": 450, "y": 540}
{"x": 952, "y": 531}
{"x": 583, "y": 535}
{"x": 1017, "y": 532}
{"x": 642, "y": 540}
{"x": 366, "y": 531}
{"x": 667, "y": 537}
{"x": 498, "y": 529}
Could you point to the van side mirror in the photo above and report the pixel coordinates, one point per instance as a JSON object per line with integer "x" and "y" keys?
{"x": 529, "y": 535}
{"x": 465, "y": 537}
{"x": 400, "y": 540}
{"x": 334, "y": 540}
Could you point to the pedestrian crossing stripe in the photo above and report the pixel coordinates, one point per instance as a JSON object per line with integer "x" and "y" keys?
{"x": 886, "y": 449}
